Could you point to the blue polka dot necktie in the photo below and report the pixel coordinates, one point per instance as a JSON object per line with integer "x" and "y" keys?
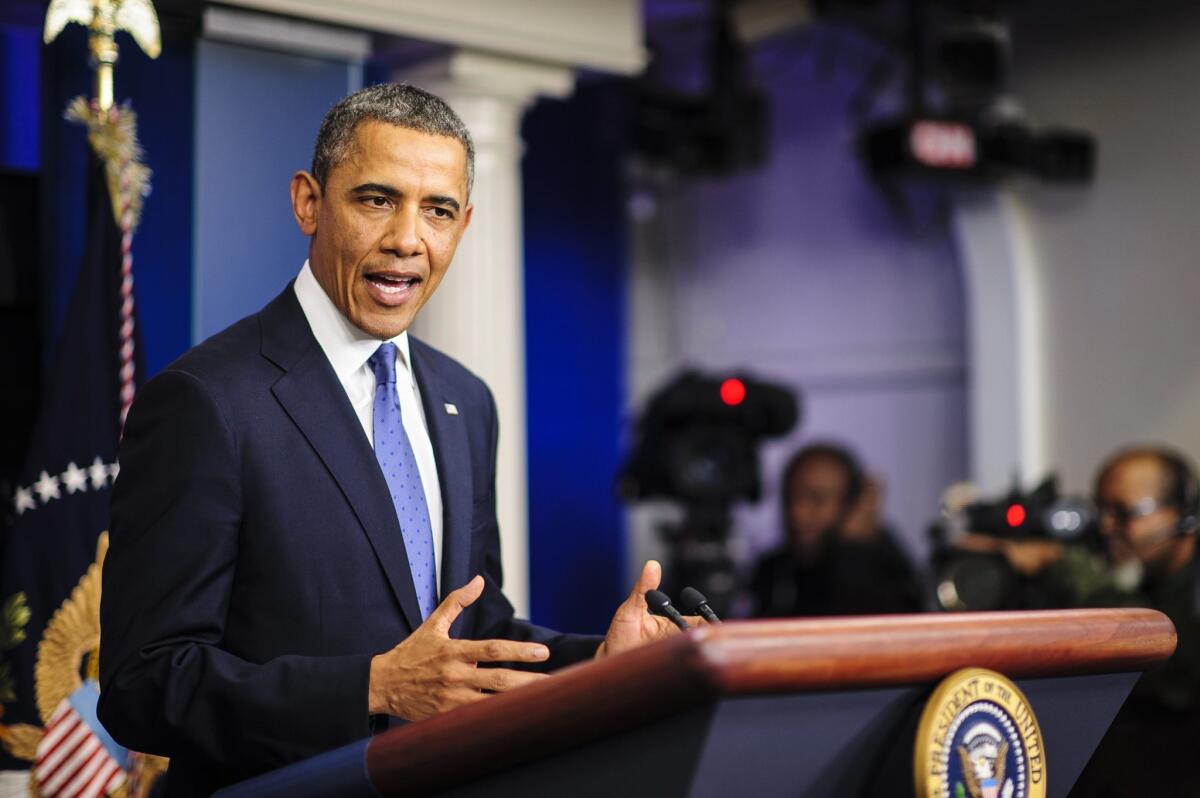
{"x": 399, "y": 465}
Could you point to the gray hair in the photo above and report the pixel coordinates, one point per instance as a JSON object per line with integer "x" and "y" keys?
{"x": 396, "y": 104}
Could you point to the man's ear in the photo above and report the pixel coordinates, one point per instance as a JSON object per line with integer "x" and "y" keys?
{"x": 306, "y": 199}
{"x": 466, "y": 217}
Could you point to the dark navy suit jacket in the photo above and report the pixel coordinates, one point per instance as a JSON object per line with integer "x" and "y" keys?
{"x": 256, "y": 563}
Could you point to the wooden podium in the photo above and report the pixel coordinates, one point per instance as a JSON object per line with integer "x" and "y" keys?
{"x": 823, "y": 707}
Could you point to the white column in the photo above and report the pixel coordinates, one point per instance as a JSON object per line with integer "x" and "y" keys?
{"x": 478, "y": 313}
{"x": 1004, "y": 311}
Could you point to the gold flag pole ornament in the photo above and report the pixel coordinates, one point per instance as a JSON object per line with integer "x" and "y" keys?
{"x": 104, "y": 18}
{"x": 112, "y": 130}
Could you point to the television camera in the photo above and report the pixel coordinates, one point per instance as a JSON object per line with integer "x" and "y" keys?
{"x": 697, "y": 445}
{"x": 970, "y": 569}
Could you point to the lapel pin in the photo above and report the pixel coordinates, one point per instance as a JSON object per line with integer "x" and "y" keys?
{"x": 451, "y": 409}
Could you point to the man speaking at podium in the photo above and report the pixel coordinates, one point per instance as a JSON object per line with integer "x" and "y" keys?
{"x": 304, "y": 543}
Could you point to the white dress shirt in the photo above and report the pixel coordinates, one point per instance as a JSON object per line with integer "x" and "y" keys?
{"x": 348, "y": 350}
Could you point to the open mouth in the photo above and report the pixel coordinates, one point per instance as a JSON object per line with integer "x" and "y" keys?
{"x": 392, "y": 283}
{"x": 391, "y": 289}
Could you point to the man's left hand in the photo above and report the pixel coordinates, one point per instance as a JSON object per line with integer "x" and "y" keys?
{"x": 633, "y": 625}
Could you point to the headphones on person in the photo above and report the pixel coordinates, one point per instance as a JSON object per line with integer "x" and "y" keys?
{"x": 1185, "y": 492}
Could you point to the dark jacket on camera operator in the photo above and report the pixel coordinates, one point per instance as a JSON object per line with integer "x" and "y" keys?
{"x": 1151, "y": 746}
{"x": 1148, "y": 501}
{"x": 838, "y": 559}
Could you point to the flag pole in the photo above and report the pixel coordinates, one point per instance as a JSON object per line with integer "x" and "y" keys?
{"x": 103, "y": 44}
{"x": 113, "y": 136}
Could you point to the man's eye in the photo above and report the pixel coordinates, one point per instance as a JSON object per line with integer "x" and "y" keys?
{"x": 378, "y": 202}
{"x": 442, "y": 213}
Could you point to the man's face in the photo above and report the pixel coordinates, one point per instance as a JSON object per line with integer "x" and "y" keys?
{"x": 1133, "y": 520}
{"x": 385, "y": 226}
{"x": 817, "y": 499}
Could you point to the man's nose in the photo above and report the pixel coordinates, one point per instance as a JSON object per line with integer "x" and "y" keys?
{"x": 403, "y": 237}
{"x": 1111, "y": 527}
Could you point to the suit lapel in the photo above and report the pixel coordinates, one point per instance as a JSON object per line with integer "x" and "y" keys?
{"x": 313, "y": 398}
{"x": 453, "y": 455}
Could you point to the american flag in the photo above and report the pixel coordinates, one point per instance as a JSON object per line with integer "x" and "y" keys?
{"x": 76, "y": 758}
{"x": 48, "y": 533}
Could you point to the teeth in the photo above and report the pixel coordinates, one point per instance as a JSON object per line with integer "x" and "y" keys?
{"x": 388, "y": 281}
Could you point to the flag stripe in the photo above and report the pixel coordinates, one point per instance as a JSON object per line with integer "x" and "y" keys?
{"x": 99, "y": 784}
{"x": 117, "y": 779}
{"x": 63, "y": 708}
{"x": 67, "y": 770}
{"x": 75, "y": 786}
{"x": 56, "y": 733}
{"x": 65, "y": 748}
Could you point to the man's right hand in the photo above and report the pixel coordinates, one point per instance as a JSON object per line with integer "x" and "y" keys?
{"x": 861, "y": 523}
{"x": 430, "y": 673}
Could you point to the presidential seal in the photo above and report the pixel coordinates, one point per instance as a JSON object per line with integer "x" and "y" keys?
{"x": 979, "y": 738}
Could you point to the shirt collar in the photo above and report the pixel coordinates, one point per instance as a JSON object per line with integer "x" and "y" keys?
{"x": 347, "y": 347}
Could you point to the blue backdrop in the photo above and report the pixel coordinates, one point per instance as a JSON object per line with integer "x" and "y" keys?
{"x": 575, "y": 262}
{"x": 257, "y": 116}
{"x": 20, "y": 50}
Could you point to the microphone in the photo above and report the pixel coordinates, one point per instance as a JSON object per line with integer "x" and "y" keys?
{"x": 695, "y": 602}
{"x": 660, "y": 604}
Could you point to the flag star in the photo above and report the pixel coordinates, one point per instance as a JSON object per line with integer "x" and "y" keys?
{"x": 74, "y": 479}
{"x": 98, "y": 471}
{"x": 47, "y": 488}
{"x": 113, "y": 470}
{"x": 24, "y": 500}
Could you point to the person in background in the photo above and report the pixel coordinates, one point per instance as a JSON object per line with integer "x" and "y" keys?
{"x": 1147, "y": 500}
{"x": 837, "y": 557}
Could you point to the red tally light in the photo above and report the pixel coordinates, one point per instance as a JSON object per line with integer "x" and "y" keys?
{"x": 733, "y": 392}
{"x": 943, "y": 145}
{"x": 1015, "y": 515}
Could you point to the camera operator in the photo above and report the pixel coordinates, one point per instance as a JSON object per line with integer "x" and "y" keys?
{"x": 837, "y": 558}
{"x": 1147, "y": 500}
